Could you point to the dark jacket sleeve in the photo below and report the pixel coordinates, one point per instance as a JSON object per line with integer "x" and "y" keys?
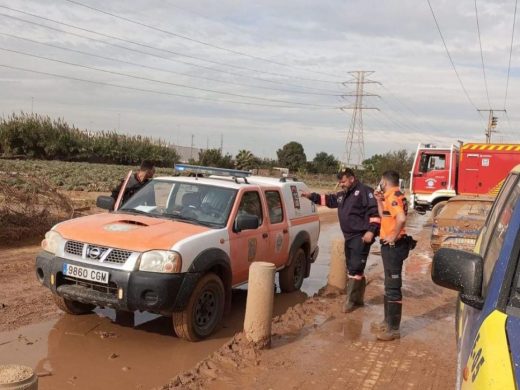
{"x": 372, "y": 213}
{"x": 329, "y": 200}
{"x": 115, "y": 191}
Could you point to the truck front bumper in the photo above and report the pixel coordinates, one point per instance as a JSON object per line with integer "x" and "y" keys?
{"x": 128, "y": 291}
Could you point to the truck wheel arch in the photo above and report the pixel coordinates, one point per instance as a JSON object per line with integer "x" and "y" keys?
{"x": 302, "y": 240}
{"x": 216, "y": 261}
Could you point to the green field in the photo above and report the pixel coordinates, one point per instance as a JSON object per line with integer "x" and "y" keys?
{"x": 73, "y": 176}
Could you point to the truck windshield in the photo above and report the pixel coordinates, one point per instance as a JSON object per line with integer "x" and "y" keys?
{"x": 196, "y": 203}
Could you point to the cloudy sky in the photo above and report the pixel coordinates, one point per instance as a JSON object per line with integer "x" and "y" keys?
{"x": 262, "y": 74}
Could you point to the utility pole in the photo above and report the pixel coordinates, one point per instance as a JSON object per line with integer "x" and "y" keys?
{"x": 355, "y": 143}
{"x": 32, "y": 105}
{"x": 221, "y": 142}
{"x": 191, "y": 147}
{"x": 492, "y": 123}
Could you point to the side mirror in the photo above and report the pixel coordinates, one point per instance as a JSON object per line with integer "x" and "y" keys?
{"x": 461, "y": 271}
{"x": 246, "y": 222}
{"x": 105, "y": 202}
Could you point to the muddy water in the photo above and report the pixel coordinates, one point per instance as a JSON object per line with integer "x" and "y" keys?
{"x": 95, "y": 352}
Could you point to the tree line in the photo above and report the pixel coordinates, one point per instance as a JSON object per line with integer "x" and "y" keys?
{"x": 40, "y": 137}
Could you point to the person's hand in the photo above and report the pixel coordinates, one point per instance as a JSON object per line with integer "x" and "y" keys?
{"x": 379, "y": 196}
{"x": 390, "y": 240}
{"x": 367, "y": 237}
{"x": 305, "y": 195}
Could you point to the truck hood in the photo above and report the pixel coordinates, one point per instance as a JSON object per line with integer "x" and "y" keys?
{"x": 132, "y": 232}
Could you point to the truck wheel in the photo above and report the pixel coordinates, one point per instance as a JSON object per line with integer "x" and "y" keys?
{"x": 291, "y": 277}
{"x": 72, "y": 307}
{"x": 204, "y": 310}
{"x": 438, "y": 208}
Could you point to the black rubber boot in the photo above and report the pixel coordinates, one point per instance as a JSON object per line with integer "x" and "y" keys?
{"x": 355, "y": 294}
{"x": 394, "y": 321}
{"x": 381, "y": 326}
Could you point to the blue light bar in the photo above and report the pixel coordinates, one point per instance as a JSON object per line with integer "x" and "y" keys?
{"x": 184, "y": 168}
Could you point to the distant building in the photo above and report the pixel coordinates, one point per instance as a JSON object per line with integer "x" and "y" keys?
{"x": 187, "y": 152}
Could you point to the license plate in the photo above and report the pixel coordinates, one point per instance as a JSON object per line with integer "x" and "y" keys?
{"x": 93, "y": 275}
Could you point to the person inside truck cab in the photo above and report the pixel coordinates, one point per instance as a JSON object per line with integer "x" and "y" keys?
{"x": 251, "y": 205}
{"x": 137, "y": 181}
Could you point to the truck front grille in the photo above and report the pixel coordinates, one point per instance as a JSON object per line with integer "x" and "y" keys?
{"x": 97, "y": 253}
{"x": 118, "y": 256}
{"x": 74, "y": 248}
{"x": 110, "y": 288}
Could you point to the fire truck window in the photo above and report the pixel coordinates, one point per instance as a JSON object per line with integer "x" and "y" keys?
{"x": 432, "y": 162}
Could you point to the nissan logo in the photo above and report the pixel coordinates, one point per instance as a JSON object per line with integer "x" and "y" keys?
{"x": 94, "y": 252}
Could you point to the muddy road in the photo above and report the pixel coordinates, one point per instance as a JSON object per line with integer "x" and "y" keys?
{"x": 93, "y": 351}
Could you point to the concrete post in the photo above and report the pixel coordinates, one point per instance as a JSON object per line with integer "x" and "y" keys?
{"x": 17, "y": 377}
{"x": 338, "y": 267}
{"x": 259, "y": 306}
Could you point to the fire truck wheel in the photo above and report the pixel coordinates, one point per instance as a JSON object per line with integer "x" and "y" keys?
{"x": 204, "y": 310}
{"x": 438, "y": 208}
{"x": 72, "y": 307}
{"x": 291, "y": 277}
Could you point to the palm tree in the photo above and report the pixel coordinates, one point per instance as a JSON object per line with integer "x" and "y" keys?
{"x": 245, "y": 159}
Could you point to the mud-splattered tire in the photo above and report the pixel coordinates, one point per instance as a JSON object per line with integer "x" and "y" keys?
{"x": 438, "y": 208}
{"x": 291, "y": 277}
{"x": 72, "y": 307}
{"x": 204, "y": 310}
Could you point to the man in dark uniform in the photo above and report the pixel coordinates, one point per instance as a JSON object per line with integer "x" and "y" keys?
{"x": 395, "y": 246}
{"x": 136, "y": 181}
{"x": 359, "y": 221}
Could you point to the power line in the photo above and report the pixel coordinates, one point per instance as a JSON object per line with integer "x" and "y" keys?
{"x": 450, "y": 58}
{"x": 170, "y": 51}
{"x": 163, "y": 82}
{"x": 510, "y": 54}
{"x": 152, "y": 90}
{"x": 482, "y": 54}
{"x": 177, "y": 35}
{"x": 161, "y": 69}
{"x": 146, "y": 46}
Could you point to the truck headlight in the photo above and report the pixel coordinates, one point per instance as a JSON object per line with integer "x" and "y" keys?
{"x": 160, "y": 261}
{"x": 51, "y": 241}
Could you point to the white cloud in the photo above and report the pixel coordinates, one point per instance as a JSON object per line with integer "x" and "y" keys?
{"x": 422, "y": 100}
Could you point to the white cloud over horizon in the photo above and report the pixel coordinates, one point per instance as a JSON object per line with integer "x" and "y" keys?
{"x": 421, "y": 99}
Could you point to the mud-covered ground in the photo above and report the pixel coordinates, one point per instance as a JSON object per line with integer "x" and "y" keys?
{"x": 314, "y": 344}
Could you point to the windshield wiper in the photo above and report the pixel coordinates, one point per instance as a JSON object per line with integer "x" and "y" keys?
{"x": 135, "y": 211}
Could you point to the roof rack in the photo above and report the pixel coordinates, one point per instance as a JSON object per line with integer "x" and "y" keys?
{"x": 197, "y": 169}
{"x": 285, "y": 179}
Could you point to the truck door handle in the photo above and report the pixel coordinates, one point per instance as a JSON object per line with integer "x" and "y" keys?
{"x": 417, "y": 174}
{"x": 285, "y": 231}
{"x": 265, "y": 235}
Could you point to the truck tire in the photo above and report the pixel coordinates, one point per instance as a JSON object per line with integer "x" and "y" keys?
{"x": 72, "y": 307}
{"x": 291, "y": 277}
{"x": 204, "y": 310}
{"x": 438, "y": 208}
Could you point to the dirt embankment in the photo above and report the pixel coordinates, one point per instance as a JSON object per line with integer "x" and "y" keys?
{"x": 315, "y": 346}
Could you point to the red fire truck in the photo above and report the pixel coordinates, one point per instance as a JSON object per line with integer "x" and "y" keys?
{"x": 468, "y": 169}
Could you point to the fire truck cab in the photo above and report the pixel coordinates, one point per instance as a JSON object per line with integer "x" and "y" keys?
{"x": 433, "y": 177}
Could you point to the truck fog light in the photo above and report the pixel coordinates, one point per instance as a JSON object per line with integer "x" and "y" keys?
{"x": 120, "y": 293}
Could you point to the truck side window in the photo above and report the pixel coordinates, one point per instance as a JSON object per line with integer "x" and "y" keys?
{"x": 250, "y": 204}
{"x": 274, "y": 204}
{"x": 432, "y": 162}
{"x": 496, "y": 228}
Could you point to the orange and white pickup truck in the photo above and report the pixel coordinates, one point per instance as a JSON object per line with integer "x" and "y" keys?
{"x": 179, "y": 246}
